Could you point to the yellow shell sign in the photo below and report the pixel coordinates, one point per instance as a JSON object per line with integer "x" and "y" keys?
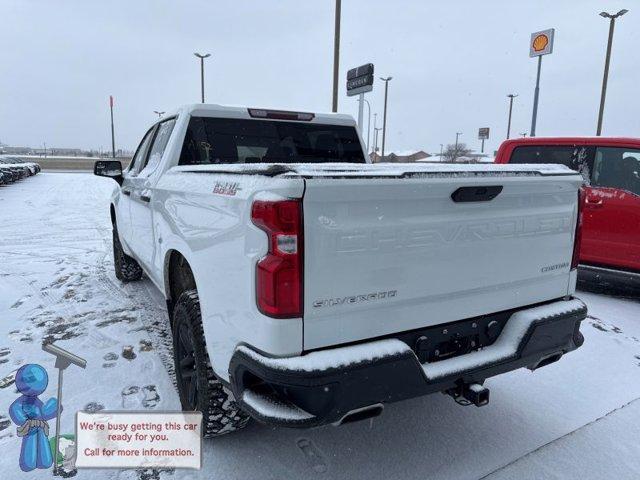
{"x": 541, "y": 43}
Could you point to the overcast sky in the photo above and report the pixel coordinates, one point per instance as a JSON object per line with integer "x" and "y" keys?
{"x": 453, "y": 63}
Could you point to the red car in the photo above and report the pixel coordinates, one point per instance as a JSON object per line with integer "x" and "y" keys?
{"x": 610, "y": 248}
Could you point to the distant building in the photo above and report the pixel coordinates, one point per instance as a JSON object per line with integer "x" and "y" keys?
{"x": 400, "y": 158}
{"x": 62, "y": 152}
{"x": 65, "y": 152}
{"x": 474, "y": 158}
{"x": 16, "y": 150}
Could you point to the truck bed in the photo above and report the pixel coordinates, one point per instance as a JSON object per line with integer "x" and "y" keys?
{"x": 388, "y": 250}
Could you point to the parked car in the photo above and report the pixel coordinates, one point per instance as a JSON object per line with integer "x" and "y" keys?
{"x": 306, "y": 286}
{"x": 610, "y": 247}
{"x": 18, "y": 171}
{"x": 9, "y": 174}
{"x": 33, "y": 167}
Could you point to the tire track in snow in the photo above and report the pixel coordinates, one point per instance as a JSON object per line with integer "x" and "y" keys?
{"x": 153, "y": 318}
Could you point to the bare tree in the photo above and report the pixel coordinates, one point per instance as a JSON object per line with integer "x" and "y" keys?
{"x": 451, "y": 153}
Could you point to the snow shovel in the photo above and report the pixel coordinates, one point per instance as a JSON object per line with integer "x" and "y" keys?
{"x": 63, "y": 360}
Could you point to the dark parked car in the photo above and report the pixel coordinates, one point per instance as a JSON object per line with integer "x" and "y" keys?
{"x": 32, "y": 166}
{"x": 13, "y": 170}
{"x": 9, "y": 175}
{"x": 19, "y": 167}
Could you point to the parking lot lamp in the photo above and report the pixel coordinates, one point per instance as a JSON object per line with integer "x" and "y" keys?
{"x": 511, "y": 96}
{"x": 202, "y": 57}
{"x": 612, "y": 22}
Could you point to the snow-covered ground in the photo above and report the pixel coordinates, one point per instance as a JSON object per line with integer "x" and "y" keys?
{"x": 576, "y": 419}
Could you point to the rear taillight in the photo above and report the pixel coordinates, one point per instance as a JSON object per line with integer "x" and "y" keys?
{"x": 578, "y": 236}
{"x": 279, "y": 274}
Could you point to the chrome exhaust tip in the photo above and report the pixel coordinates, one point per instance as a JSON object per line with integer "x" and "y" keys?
{"x": 363, "y": 413}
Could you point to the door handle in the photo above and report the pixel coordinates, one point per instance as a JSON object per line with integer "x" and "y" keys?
{"x": 145, "y": 198}
{"x": 593, "y": 202}
{"x": 126, "y": 192}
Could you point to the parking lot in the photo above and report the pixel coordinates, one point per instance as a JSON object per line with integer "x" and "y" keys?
{"x": 577, "y": 418}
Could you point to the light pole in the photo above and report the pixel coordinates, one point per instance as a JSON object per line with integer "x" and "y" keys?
{"x": 455, "y": 150}
{"x": 158, "y": 113}
{"x": 375, "y": 124}
{"x": 336, "y": 56}
{"x": 384, "y": 120}
{"x": 377, "y": 134}
{"x": 113, "y": 136}
{"x": 457, "y": 135}
{"x": 612, "y": 22}
{"x": 202, "y": 57}
{"x": 368, "y": 121}
{"x": 511, "y": 96}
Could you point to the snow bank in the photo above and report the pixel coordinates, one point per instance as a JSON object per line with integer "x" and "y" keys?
{"x": 507, "y": 344}
{"x": 335, "y": 358}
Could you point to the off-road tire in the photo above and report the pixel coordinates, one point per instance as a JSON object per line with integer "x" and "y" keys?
{"x": 220, "y": 412}
{"x": 127, "y": 268}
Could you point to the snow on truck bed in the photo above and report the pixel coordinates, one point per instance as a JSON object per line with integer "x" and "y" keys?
{"x": 378, "y": 169}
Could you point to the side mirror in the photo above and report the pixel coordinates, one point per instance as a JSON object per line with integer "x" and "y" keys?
{"x": 108, "y": 168}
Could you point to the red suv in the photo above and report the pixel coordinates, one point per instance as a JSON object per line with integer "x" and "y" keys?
{"x": 610, "y": 249}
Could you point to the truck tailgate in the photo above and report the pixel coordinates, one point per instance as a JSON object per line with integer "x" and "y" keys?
{"x": 387, "y": 254}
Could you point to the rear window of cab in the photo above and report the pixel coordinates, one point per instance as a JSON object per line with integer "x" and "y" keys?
{"x": 229, "y": 140}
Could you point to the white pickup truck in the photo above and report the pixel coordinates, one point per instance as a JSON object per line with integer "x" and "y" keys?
{"x": 307, "y": 286}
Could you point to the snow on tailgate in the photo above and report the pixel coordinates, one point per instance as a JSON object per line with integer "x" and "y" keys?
{"x": 379, "y": 169}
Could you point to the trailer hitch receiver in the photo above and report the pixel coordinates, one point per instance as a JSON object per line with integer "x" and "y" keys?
{"x": 470, "y": 394}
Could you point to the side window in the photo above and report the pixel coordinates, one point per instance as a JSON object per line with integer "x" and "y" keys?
{"x": 141, "y": 153}
{"x": 617, "y": 168}
{"x": 160, "y": 140}
{"x": 577, "y": 158}
{"x": 196, "y": 149}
